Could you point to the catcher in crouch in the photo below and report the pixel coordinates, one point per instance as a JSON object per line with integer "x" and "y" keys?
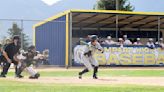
{"x": 26, "y": 59}
{"x": 87, "y": 57}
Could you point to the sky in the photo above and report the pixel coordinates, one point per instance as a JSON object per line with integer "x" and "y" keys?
{"x": 50, "y": 2}
{"x": 148, "y": 5}
{"x": 62, "y": 5}
{"x": 140, "y": 5}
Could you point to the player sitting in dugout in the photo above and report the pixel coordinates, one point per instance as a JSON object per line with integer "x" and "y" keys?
{"x": 109, "y": 41}
{"x": 160, "y": 43}
{"x": 150, "y": 44}
{"x": 125, "y": 41}
{"x": 138, "y": 42}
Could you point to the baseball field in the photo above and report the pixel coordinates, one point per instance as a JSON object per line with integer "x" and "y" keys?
{"x": 125, "y": 79}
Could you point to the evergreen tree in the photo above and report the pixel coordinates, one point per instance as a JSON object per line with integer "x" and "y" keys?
{"x": 15, "y": 30}
{"x": 111, "y": 5}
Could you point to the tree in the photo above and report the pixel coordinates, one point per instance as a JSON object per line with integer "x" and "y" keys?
{"x": 15, "y": 30}
{"x": 111, "y": 5}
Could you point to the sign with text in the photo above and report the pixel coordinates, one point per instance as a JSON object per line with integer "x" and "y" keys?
{"x": 130, "y": 56}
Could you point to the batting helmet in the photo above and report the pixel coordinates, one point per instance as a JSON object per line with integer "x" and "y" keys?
{"x": 94, "y": 37}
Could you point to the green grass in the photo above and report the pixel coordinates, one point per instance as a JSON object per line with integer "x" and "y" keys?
{"x": 105, "y": 73}
{"x": 13, "y": 86}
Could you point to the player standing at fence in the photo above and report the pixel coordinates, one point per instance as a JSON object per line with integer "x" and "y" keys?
{"x": 88, "y": 57}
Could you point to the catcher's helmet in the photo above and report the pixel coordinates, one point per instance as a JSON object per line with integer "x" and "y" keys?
{"x": 31, "y": 47}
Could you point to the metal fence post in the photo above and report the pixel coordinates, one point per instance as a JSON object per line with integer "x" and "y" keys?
{"x": 22, "y": 34}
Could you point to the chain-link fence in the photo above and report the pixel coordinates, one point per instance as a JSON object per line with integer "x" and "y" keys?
{"x": 25, "y": 29}
{"x": 10, "y": 27}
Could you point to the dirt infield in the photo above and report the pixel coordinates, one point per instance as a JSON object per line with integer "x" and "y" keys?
{"x": 153, "y": 81}
{"x": 102, "y": 68}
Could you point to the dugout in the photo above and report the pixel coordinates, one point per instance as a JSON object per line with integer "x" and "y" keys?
{"x": 60, "y": 33}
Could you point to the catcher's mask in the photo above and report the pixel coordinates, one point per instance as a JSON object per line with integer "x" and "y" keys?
{"x": 31, "y": 48}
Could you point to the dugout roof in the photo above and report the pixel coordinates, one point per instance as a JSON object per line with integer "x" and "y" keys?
{"x": 59, "y": 29}
{"x": 109, "y": 19}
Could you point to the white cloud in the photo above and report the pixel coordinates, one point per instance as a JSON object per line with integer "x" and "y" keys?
{"x": 50, "y": 2}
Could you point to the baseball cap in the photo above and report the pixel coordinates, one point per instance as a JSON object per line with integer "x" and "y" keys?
{"x": 109, "y": 37}
{"x": 150, "y": 39}
{"x": 16, "y": 37}
{"x": 161, "y": 39}
{"x": 138, "y": 39}
{"x": 125, "y": 36}
{"x": 120, "y": 39}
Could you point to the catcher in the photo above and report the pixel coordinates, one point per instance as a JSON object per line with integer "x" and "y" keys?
{"x": 26, "y": 60}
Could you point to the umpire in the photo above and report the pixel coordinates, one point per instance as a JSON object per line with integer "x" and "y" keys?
{"x": 3, "y": 55}
{"x": 12, "y": 50}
